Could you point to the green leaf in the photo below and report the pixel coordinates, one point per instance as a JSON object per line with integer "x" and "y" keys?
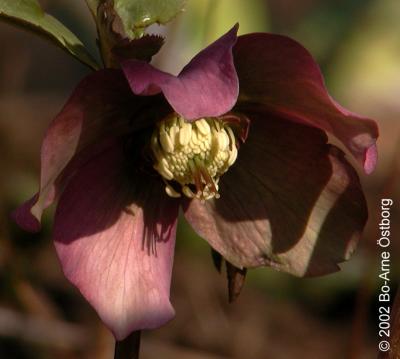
{"x": 136, "y": 15}
{"x": 29, "y": 15}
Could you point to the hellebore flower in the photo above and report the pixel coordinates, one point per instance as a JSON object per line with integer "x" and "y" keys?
{"x": 236, "y": 140}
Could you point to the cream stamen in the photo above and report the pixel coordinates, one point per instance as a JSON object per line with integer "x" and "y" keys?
{"x": 194, "y": 155}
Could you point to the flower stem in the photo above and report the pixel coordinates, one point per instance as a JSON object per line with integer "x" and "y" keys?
{"x": 128, "y": 348}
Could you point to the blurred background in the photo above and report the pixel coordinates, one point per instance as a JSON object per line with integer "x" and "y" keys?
{"x": 357, "y": 44}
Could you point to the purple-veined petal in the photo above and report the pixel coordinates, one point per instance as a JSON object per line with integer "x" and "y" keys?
{"x": 96, "y": 110}
{"x": 115, "y": 238}
{"x": 280, "y": 75}
{"x": 206, "y": 87}
{"x": 291, "y": 201}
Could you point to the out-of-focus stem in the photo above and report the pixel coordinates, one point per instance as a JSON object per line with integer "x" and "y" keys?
{"x": 128, "y": 348}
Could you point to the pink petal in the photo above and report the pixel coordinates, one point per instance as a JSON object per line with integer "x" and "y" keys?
{"x": 115, "y": 238}
{"x": 95, "y": 111}
{"x": 280, "y": 75}
{"x": 291, "y": 202}
{"x": 206, "y": 87}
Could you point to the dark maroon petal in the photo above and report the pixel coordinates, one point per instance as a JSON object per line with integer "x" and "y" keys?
{"x": 291, "y": 202}
{"x": 281, "y": 76}
{"x": 24, "y": 218}
{"x": 206, "y": 87}
{"x": 115, "y": 238}
{"x": 96, "y": 110}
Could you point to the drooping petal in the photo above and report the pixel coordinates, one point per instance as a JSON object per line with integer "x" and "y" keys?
{"x": 96, "y": 110}
{"x": 206, "y": 87}
{"x": 115, "y": 239}
{"x": 291, "y": 201}
{"x": 280, "y": 75}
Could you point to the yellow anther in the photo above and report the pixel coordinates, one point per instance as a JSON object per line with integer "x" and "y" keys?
{"x": 232, "y": 157}
{"x": 166, "y": 142}
{"x": 194, "y": 155}
{"x": 171, "y": 192}
{"x": 163, "y": 168}
{"x": 203, "y": 126}
{"x": 188, "y": 192}
{"x": 223, "y": 140}
{"x": 185, "y": 134}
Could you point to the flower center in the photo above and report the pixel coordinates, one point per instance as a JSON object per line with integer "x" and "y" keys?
{"x": 194, "y": 155}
